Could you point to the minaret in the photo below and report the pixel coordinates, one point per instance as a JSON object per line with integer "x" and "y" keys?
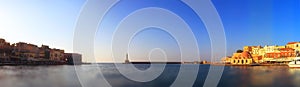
{"x": 127, "y": 60}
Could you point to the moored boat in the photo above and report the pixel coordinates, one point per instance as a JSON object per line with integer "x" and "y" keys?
{"x": 295, "y": 63}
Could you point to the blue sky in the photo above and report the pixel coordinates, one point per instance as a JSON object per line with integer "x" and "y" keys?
{"x": 49, "y": 22}
{"x": 246, "y": 22}
{"x": 259, "y": 22}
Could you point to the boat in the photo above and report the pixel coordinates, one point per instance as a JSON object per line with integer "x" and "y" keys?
{"x": 295, "y": 63}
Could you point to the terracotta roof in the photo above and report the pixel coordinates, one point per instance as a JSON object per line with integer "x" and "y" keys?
{"x": 292, "y": 42}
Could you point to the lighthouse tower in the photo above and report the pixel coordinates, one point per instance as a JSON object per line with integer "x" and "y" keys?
{"x": 127, "y": 60}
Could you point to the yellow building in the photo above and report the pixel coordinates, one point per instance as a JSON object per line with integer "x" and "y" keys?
{"x": 257, "y": 58}
{"x": 258, "y": 54}
{"x": 255, "y": 50}
{"x": 270, "y": 49}
{"x": 247, "y": 48}
{"x": 294, "y": 45}
{"x": 262, "y": 52}
{"x": 241, "y": 58}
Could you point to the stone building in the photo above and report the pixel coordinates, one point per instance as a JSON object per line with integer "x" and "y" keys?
{"x": 44, "y": 52}
{"x": 73, "y": 58}
{"x": 57, "y": 54}
{"x": 5, "y": 50}
{"x": 25, "y": 50}
{"x": 241, "y": 58}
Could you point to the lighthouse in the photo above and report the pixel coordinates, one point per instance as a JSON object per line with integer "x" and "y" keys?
{"x": 127, "y": 60}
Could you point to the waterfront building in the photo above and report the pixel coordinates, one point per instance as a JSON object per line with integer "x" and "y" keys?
{"x": 294, "y": 45}
{"x": 287, "y": 52}
{"x": 282, "y": 53}
{"x": 247, "y": 48}
{"x": 44, "y": 52}
{"x": 266, "y": 54}
{"x": 241, "y": 58}
{"x": 262, "y": 52}
{"x": 4, "y": 45}
{"x": 255, "y": 50}
{"x": 19, "y": 50}
{"x": 5, "y": 50}
{"x": 25, "y": 50}
{"x": 257, "y": 53}
{"x": 57, "y": 54}
{"x": 270, "y": 49}
{"x": 32, "y": 51}
{"x": 257, "y": 58}
{"x": 41, "y": 53}
{"x": 73, "y": 58}
{"x": 26, "y": 53}
{"x": 280, "y": 47}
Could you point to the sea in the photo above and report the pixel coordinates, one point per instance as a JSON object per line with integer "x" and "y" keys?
{"x": 110, "y": 75}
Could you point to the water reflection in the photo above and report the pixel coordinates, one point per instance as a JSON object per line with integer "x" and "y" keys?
{"x": 166, "y": 78}
{"x": 37, "y": 76}
{"x": 295, "y": 75}
{"x": 258, "y": 76}
{"x": 93, "y": 76}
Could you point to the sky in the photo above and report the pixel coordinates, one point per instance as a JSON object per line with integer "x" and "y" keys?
{"x": 246, "y": 22}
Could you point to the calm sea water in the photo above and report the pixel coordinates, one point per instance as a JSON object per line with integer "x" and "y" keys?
{"x": 102, "y": 74}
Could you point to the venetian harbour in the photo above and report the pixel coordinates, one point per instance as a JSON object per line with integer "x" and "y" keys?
{"x": 65, "y": 76}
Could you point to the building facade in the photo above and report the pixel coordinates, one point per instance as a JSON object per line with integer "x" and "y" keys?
{"x": 57, "y": 54}
{"x": 25, "y": 50}
{"x": 26, "y": 53}
{"x": 5, "y": 50}
{"x": 241, "y": 58}
{"x": 73, "y": 58}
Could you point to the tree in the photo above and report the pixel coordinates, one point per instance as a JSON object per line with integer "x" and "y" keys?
{"x": 239, "y": 51}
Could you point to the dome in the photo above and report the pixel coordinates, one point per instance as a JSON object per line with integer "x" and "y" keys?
{"x": 246, "y": 54}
